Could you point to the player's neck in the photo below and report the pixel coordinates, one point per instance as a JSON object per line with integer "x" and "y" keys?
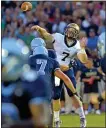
{"x": 71, "y": 42}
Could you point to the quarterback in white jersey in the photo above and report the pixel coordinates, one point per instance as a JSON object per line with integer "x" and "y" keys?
{"x": 67, "y": 47}
{"x": 63, "y": 51}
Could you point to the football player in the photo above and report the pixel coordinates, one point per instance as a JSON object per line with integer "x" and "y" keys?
{"x": 102, "y": 52}
{"x": 67, "y": 47}
{"x": 40, "y": 85}
{"x": 101, "y": 97}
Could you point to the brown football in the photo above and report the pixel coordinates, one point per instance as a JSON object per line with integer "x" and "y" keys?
{"x": 26, "y": 6}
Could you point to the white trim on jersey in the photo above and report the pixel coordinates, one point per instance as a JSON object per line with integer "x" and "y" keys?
{"x": 57, "y": 81}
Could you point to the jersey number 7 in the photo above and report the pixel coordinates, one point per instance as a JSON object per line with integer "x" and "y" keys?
{"x": 42, "y": 63}
{"x": 65, "y": 55}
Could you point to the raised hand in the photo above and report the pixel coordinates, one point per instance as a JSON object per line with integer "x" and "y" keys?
{"x": 35, "y": 27}
{"x": 83, "y": 42}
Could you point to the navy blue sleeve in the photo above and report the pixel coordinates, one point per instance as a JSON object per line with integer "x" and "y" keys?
{"x": 56, "y": 65}
{"x": 52, "y": 53}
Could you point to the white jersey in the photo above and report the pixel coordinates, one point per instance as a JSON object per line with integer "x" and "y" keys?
{"x": 63, "y": 52}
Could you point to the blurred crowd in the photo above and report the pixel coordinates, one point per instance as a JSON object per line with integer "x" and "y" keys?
{"x": 53, "y": 16}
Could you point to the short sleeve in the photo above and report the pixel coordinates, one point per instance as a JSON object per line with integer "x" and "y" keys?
{"x": 56, "y": 65}
{"x": 57, "y": 36}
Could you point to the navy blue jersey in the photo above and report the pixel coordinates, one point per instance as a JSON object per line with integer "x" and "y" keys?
{"x": 52, "y": 54}
{"x": 44, "y": 68}
{"x": 43, "y": 63}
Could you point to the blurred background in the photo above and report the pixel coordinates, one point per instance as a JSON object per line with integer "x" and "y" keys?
{"x": 53, "y": 16}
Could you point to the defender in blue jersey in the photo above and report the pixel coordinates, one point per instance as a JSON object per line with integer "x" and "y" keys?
{"x": 44, "y": 68}
{"x": 38, "y": 81}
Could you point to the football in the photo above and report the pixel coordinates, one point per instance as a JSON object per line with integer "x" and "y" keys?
{"x": 26, "y": 6}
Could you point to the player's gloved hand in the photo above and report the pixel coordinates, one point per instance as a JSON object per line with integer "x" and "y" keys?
{"x": 72, "y": 63}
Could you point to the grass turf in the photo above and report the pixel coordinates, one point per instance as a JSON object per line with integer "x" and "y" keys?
{"x": 93, "y": 120}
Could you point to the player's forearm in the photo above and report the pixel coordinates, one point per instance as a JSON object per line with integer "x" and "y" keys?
{"x": 66, "y": 80}
{"x": 69, "y": 84}
{"x": 45, "y": 35}
{"x": 82, "y": 56}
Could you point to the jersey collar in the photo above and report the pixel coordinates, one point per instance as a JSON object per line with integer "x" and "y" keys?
{"x": 75, "y": 41}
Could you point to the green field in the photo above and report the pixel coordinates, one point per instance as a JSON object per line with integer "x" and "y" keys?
{"x": 93, "y": 120}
